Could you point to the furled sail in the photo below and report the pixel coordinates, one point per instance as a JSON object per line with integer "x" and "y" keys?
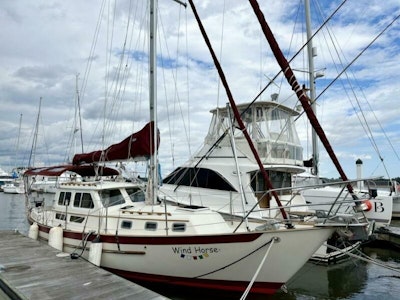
{"x": 137, "y": 146}
{"x": 83, "y": 170}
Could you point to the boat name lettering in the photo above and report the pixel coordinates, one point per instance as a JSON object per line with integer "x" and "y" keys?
{"x": 195, "y": 250}
{"x": 200, "y": 250}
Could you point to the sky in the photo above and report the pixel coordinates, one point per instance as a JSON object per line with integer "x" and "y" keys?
{"x": 87, "y": 61}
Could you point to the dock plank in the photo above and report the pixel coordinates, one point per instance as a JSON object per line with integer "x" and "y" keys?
{"x": 34, "y": 271}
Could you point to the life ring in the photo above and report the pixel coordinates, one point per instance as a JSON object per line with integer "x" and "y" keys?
{"x": 367, "y": 205}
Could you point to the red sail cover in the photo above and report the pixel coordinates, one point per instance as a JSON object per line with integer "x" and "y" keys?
{"x": 83, "y": 170}
{"x": 138, "y": 146}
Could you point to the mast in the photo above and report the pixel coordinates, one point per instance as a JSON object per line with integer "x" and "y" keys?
{"x": 34, "y": 143}
{"x": 17, "y": 146}
{"x": 153, "y": 176}
{"x": 310, "y": 51}
{"x": 78, "y": 111}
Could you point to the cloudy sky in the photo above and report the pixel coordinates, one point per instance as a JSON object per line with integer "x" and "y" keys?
{"x": 54, "y": 50}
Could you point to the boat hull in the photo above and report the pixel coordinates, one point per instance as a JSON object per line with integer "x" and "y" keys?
{"x": 224, "y": 262}
{"x": 380, "y": 211}
{"x": 396, "y": 207}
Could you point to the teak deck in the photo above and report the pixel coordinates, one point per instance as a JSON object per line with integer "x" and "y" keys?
{"x": 30, "y": 269}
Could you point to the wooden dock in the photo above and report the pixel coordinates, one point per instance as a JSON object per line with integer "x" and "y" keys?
{"x": 30, "y": 269}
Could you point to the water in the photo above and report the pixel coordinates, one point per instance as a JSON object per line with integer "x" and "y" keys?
{"x": 352, "y": 280}
{"x": 12, "y": 213}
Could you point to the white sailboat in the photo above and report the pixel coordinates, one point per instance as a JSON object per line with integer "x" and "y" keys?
{"x": 128, "y": 228}
{"x": 5, "y": 178}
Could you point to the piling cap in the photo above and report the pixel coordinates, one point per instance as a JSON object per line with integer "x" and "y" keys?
{"x": 359, "y": 162}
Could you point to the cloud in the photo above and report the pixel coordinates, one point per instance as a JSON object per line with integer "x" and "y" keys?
{"x": 45, "y": 45}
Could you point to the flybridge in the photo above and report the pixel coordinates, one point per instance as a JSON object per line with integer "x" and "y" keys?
{"x": 270, "y": 126}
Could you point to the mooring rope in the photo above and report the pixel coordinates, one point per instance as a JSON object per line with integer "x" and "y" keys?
{"x": 246, "y": 292}
{"x": 366, "y": 259}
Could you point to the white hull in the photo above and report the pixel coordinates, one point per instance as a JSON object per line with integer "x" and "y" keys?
{"x": 206, "y": 261}
{"x": 396, "y": 206}
{"x": 199, "y": 249}
{"x": 13, "y": 189}
{"x": 379, "y": 213}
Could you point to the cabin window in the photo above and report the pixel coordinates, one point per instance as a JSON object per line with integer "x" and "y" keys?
{"x": 179, "y": 227}
{"x": 136, "y": 194}
{"x": 151, "y": 226}
{"x": 76, "y": 219}
{"x": 278, "y": 179}
{"x": 60, "y": 216}
{"x": 83, "y": 200}
{"x": 198, "y": 177}
{"x": 64, "y": 198}
{"x": 126, "y": 224}
{"x": 111, "y": 197}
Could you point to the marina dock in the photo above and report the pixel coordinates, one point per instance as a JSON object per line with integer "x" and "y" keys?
{"x": 31, "y": 269}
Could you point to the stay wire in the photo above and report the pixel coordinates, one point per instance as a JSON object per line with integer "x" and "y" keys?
{"x": 296, "y": 54}
{"x": 362, "y": 52}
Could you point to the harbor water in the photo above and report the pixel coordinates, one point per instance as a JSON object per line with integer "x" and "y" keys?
{"x": 353, "y": 279}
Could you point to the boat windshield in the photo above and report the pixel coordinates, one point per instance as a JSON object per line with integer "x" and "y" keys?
{"x": 136, "y": 194}
{"x": 111, "y": 197}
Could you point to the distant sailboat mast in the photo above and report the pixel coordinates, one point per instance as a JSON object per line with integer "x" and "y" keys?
{"x": 78, "y": 111}
{"x": 17, "y": 145}
{"x": 31, "y": 162}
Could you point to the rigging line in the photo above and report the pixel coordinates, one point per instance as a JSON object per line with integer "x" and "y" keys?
{"x": 344, "y": 70}
{"x": 92, "y": 49}
{"x": 119, "y": 80}
{"x": 175, "y": 79}
{"x": 220, "y": 53}
{"x": 380, "y": 126}
{"x": 78, "y": 104}
{"x": 300, "y": 92}
{"x": 105, "y": 80}
{"x": 187, "y": 76}
{"x": 366, "y": 127}
{"x": 237, "y": 260}
{"x": 276, "y": 76}
{"x": 368, "y": 259}
{"x": 368, "y": 130}
{"x": 351, "y": 63}
{"x": 236, "y": 112}
{"x": 297, "y": 53}
{"x": 337, "y": 50}
{"x": 204, "y": 156}
{"x": 129, "y": 58}
{"x": 109, "y": 45}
